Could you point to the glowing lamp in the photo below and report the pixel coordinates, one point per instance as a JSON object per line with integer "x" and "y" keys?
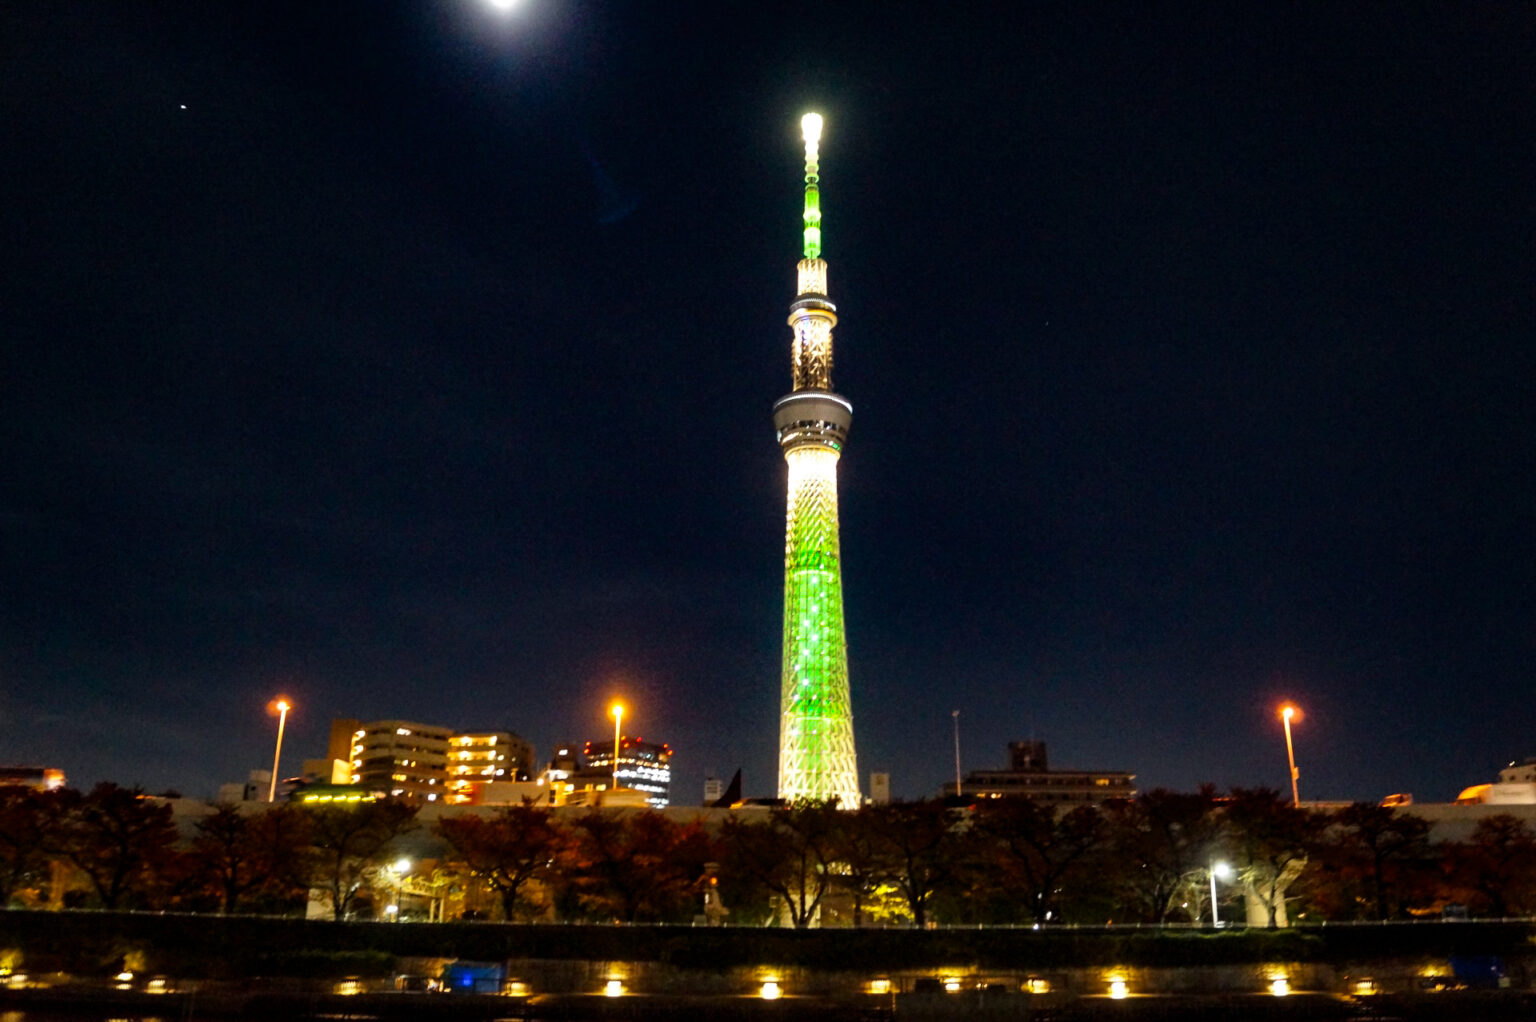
{"x": 810, "y": 128}
{"x": 771, "y": 991}
{"x": 1118, "y": 990}
{"x": 614, "y": 988}
{"x": 1279, "y": 986}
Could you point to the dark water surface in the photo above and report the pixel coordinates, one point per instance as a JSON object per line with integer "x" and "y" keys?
{"x": 1465, "y": 1006}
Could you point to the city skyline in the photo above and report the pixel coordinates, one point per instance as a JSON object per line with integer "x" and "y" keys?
{"x": 415, "y": 361}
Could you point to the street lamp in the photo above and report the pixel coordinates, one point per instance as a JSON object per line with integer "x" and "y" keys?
{"x": 618, "y": 717}
{"x": 1218, "y": 869}
{"x": 282, "y": 706}
{"x": 1287, "y": 713}
{"x": 398, "y": 869}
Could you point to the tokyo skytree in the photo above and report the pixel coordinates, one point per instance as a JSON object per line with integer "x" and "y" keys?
{"x": 816, "y": 757}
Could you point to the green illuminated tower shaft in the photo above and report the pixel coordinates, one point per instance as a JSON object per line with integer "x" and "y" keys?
{"x": 816, "y": 757}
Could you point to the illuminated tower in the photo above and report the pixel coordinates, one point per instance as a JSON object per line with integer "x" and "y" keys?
{"x": 816, "y": 757}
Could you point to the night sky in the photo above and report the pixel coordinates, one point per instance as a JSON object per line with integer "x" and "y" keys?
{"x": 416, "y": 361}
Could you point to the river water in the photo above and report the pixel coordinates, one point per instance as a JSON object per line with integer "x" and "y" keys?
{"x": 1448, "y": 1007}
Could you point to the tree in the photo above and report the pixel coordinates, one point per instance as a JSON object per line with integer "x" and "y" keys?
{"x": 1159, "y": 853}
{"x": 244, "y": 856}
{"x": 116, "y": 837}
{"x": 790, "y": 854}
{"x": 1272, "y": 841}
{"x": 1033, "y": 850}
{"x": 638, "y": 867}
{"x": 507, "y": 850}
{"x": 349, "y": 843}
{"x": 1374, "y": 840}
{"x": 859, "y": 857}
{"x": 23, "y": 863}
{"x": 917, "y": 845}
{"x": 1497, "y": 865}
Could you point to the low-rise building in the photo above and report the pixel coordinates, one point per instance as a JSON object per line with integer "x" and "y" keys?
{"x": 1516, "y": 786}
{"x": 1029, "y": 775}
{"x": 35, "y": 777}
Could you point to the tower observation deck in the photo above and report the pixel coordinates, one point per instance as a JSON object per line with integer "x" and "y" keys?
{"x": 816, "y": 754}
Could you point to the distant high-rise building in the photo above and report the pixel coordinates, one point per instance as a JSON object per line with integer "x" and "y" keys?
{"x": 428, "y": 762}
{"x": 714, "y": 787}
{"x": 402, "y": 758}
{"x": 880, "y": 788}
{"x": 816, "y": 751}
{"x": 643, "y": 766}
{"x": 486, "y": 757}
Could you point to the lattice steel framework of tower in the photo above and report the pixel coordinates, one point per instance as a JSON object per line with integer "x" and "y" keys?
{"x": 816, "y": 757}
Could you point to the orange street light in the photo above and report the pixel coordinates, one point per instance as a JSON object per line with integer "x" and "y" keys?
{"x": 1289, "y": 712}
{"x": 282, "y": 706}
{"x": 618, "y": 716}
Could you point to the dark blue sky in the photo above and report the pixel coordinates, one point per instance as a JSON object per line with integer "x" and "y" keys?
{"x": 417, "y": 362}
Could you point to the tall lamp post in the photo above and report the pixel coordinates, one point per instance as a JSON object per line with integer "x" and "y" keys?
{"x": 282, "y": 706}
{"x": 618, "y": 716}
{"x": 956, "y": 715}
{"x": 1287, "y": 712}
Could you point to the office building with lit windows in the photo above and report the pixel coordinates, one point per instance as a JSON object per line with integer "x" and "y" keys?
{"x": 427, "y": 762}
{"x": 482, "y": 758}
{"x": 402, "y": 758}
{"x": 1029, "y": 775}
{"x": 645, "y": 773}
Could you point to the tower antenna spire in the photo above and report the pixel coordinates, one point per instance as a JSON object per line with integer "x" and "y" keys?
{"x": 810, "y": 129}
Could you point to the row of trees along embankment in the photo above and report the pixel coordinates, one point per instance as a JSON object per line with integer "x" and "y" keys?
{"x": 1000, "y": 862}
